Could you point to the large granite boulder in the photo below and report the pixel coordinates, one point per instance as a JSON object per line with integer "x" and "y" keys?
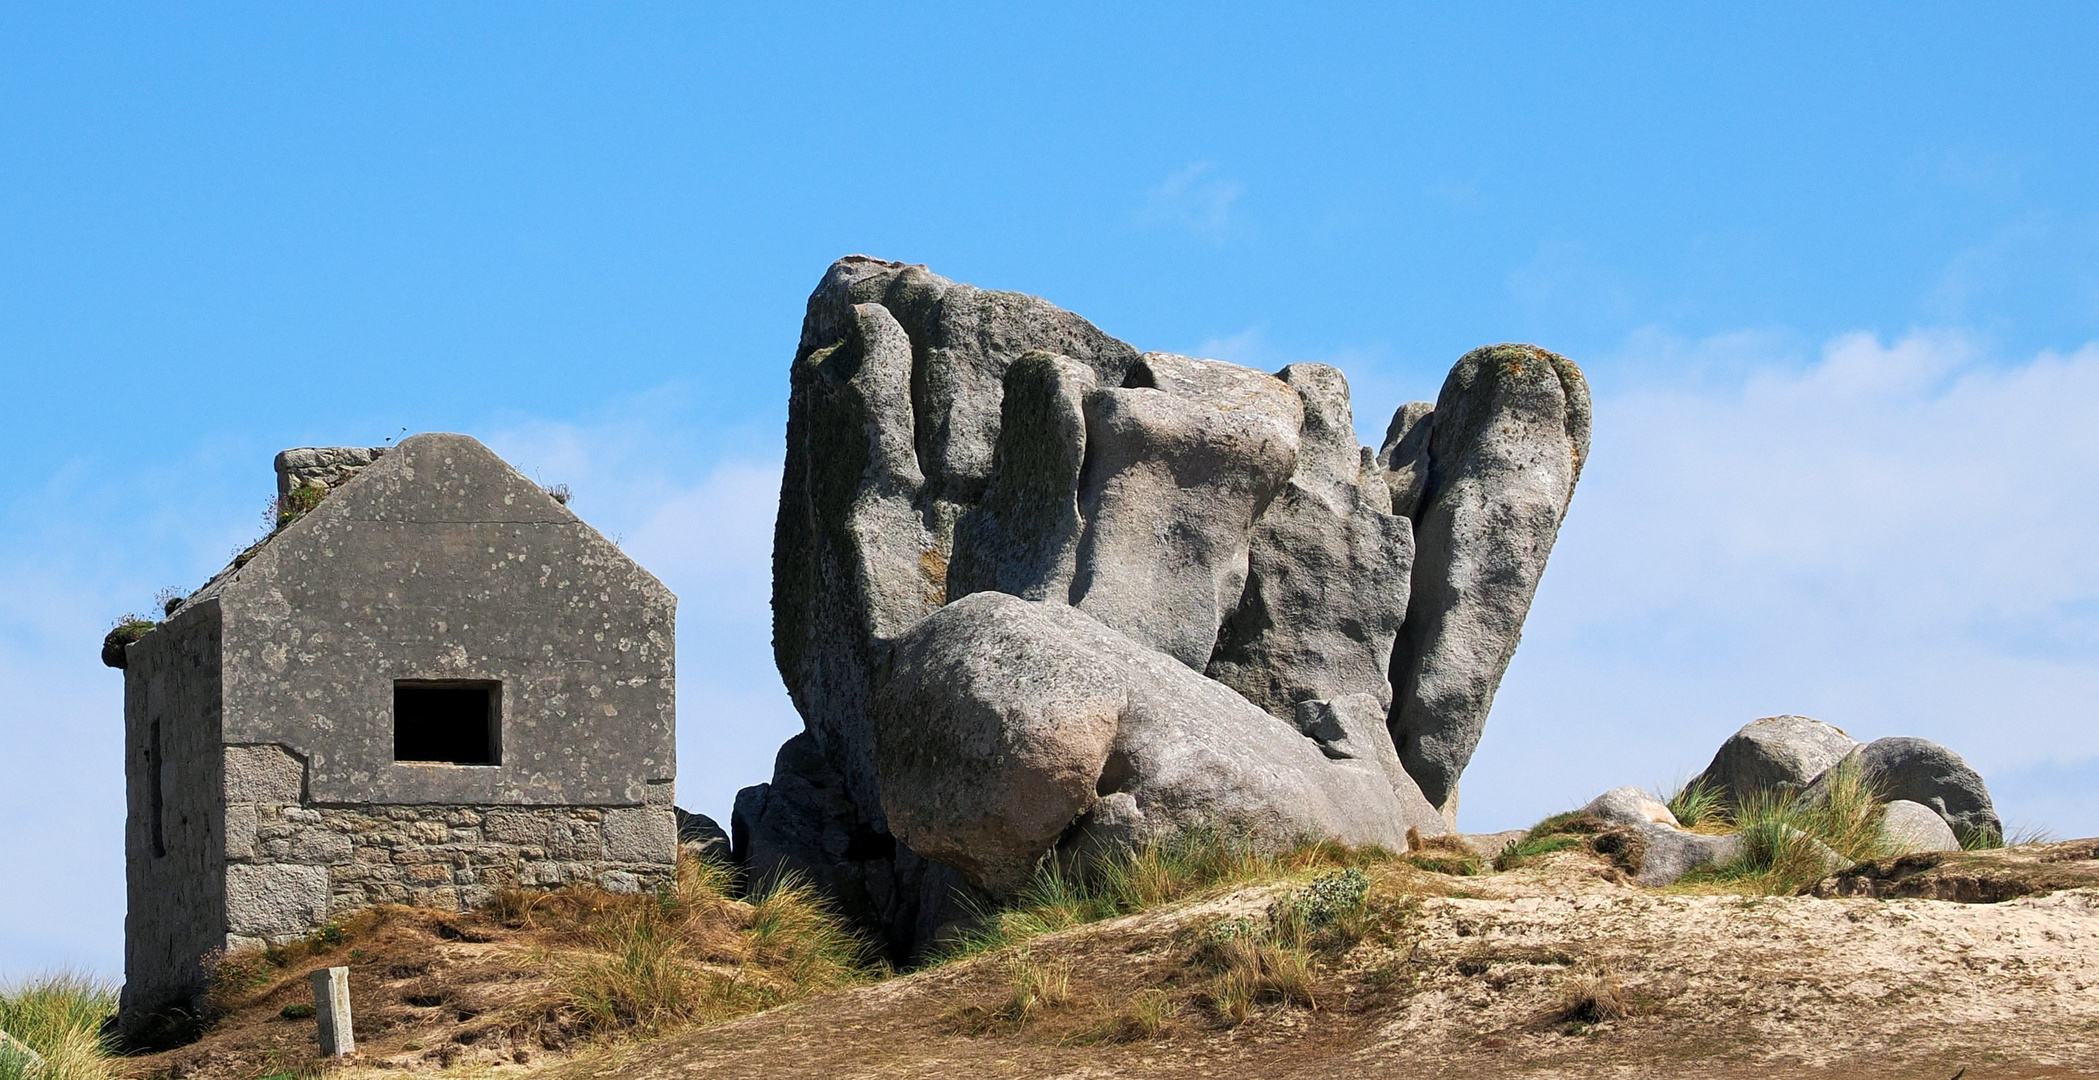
{"x": 801, "y": 825}
{"x": 1922, "y": 771}
{"x": 1010, "y": 726}
{"x": 1023, "y": 538}
{"x": 945, "y": 442}
{"x": 893, "y": 417}
{"x": 1777, "y": 753}
{"x": 1504, "y": 447}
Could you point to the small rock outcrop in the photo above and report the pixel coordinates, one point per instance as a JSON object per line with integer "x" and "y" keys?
{"x": 1668, "y": 851}
{"x": 1922, "y": 771}
{"x": 700, "y": 835}
{"x": 1772, "y": 754}
{"x": 1911, "y": 827}
{"x": 1118, "y": 511}
{"x": 18, "y": 1059}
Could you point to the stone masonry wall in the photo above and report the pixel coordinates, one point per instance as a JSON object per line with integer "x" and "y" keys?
{"x": 292, "y": 866}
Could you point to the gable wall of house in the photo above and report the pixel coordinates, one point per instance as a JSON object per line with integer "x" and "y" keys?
{"x": 432, "y": 563}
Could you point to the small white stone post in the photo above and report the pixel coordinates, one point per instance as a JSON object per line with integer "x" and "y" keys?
{"x": 331, "y": 1004}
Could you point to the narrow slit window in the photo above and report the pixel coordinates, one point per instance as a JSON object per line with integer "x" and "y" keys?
{"x": 448, "y": 723}
{"x": 155, "y": 764}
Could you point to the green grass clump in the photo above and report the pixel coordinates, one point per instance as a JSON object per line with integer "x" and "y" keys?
{"x": 60, "y": 1017}
{"x": 128, "y": 629}
{"x": 297, "y": 503}
{"x": 1247, "y": 963}
{"x": 1573, "y": 831}
{"x": 1329, "y": 902}
{"x": 1697, "y": 803}
{"x": 1789, "y": 840}
{"x": 1060, "y": 895}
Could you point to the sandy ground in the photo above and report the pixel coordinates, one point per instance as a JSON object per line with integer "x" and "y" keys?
{"x": 1458, "y": 977}
{"x": 1476, "y": 983}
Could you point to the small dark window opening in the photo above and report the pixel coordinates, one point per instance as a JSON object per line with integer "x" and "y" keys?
{"x": 449, "y": 723}
{"x": 154, "y": 764}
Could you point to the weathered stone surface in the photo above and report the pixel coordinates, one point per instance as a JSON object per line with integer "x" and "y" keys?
{"x": 323, "y": 467}
{"x": 1631, "y": 806}
{"x": 992, "y": 732}
{"x": 1010, "y": 724}
{"x": 1023, "y": 538}
{"x": 264, "y": 774}
{"x": 17, "y": 1059}
{"x": 1909, "y": 827}
{"x": 1668, "y": 852}
{"x": 439, "y": 561}
{"x": 1922, "y": 771}
{"x": 1328, "y": 568}
{"x": 1672, "y": 853}
{"x": 1773, "y": 754}
{"x": 1180, "y": 460}
{"x": 275, "y": 898}
{"x": 1506, "y": 444}
{"x": 641, "y": 835}
{"x": 1351, "y": 728}
{"x": 801, "y": 823}
{"x": 893, "y": 418}
{"x": 1404, "y": 457}
{"x": 703, "y": 837}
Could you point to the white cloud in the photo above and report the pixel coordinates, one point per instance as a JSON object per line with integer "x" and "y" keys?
{"x": 1566, "y": 278}
{"x": 1894, "y": 538}
{"x": 1198, "y": 200}
{"x": 1248, "y": 347}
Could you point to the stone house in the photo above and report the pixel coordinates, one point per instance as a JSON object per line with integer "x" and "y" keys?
{"x": 431, "y": 682}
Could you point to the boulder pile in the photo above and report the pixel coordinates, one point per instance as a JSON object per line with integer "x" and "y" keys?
{"x": 1036, "y": 592}
{"x": 1930, "y": 799}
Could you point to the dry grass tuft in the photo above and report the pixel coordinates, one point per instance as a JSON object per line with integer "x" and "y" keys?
{"x": 1696, "y": 805}
{"x": 1245, "y": 964}
{"x": 1036, "y": 986}
{"x": 1033, "y": 988}
{"x": 1148, "y": 1015}
{"x": 1592, "y": 998}
{"x": 1246, "y": 971}
{"x": 1443, "y": 855}
{"x": 611, "y": 964}
{"x": 692, "y": 953}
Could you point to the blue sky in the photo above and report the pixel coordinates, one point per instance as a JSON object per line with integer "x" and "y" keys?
{"x": 1834, "y": 276}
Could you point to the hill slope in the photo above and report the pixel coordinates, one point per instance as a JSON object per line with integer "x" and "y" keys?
{"x": 1560, "y": 969}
